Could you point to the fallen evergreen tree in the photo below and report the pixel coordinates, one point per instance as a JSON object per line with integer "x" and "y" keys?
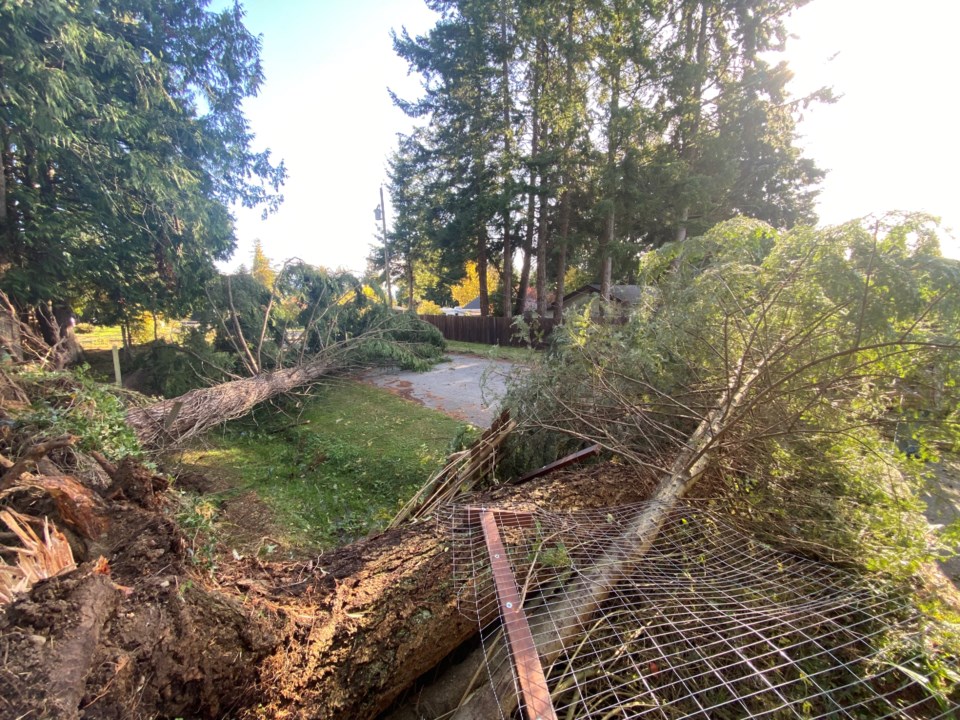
{"x": 766, "y": 372}
{"x": 786, "y": 367}
{"x": 341, "y": 325}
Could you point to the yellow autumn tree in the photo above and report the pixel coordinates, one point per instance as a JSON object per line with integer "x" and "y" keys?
{"x": 260, "y": 268}
{"x": 469, "y": 288}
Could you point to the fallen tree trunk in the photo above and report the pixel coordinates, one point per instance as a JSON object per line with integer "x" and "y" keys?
{"x": 387, "y": 611}
{"x": 169, "y": 422}
{"x": 344, "y": 635}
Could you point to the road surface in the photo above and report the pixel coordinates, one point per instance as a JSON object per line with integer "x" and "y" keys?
{"x": 468, "y": 387}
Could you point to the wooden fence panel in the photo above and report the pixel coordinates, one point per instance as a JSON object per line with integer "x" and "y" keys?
{"x": 487, "y": 330}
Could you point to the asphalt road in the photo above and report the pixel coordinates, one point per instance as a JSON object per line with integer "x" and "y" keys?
{"x": 468, "y": 387}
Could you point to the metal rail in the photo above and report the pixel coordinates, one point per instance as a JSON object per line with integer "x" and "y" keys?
{"x": 526, "y": 661}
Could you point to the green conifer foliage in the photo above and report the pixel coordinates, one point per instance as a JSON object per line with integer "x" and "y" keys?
{"x": 123, "y": 145}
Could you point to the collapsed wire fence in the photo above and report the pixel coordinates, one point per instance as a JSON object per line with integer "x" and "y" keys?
{"x": 709, "y": 623}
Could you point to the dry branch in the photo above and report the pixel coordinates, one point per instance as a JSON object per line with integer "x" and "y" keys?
{"x": 31, "y": 343}
{"x": 32, "y": 456}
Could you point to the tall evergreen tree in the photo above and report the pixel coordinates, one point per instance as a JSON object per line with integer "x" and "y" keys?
{"x": 594, "y": 129}
{"x": 123, "y": 145}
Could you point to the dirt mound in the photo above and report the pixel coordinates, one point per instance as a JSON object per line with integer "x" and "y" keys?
{"x": 133, "y": 632}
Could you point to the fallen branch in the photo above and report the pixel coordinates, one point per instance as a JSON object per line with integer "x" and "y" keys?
{"x": 32, "y": 456}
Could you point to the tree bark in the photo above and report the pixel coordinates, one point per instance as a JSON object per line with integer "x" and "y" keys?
{"x": 482, "y": 272}
{"x": 532, "y": 194}
{"x": 542, "y": 235}
{"x": 410, "y": 304}
{"x": 3, "y": 182}
{"x": 389, "y": 613}
{"x": 606, "y": 241}
{"x": 562, "y": 258}
{"x": 506, "y": 275}
{"x": 170, "y": 422}
{"x": 527, "y": 249}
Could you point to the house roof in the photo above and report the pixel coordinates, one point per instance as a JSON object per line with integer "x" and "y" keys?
{"x": 473, "y": 304}
{"x": 626, "y": 294}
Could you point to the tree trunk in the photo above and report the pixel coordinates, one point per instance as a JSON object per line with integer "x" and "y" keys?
{"x": 63, "y": 314}
{"x": 562, "y": 258}
{"x": 410, "y": 305}
{"x": 566, "y": 176}
{"x": 389, "y": 613}
{"x": 3, "y": 182}
{"x": 527, "y": 249}
{"x": 54, "y": 322}
{"x": 690, "y": 125}
{"x": 532, "y": 194}
{"x": 482, "y": 272}
{"x": 506, "y": 275}
{"x": 542, "y": 235}
{"x": 606, "y": 241}
{"x": 682, "y": 227}
{"x": 170, "y": 422}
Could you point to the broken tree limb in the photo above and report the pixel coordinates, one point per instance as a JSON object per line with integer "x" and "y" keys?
{"x": 32, "y": 456}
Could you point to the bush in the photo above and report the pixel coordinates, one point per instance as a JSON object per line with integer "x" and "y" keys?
{"x": 73, "y": 403}
{"x": 170, "y": 370}
{"x": 428, "y": 307}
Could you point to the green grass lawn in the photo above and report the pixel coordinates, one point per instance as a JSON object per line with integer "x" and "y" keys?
{"x": 497, "y": 352}
{"x": 340, "y": 469}
{"x": 104, "y": 337}
{"x": 101, "y": 338}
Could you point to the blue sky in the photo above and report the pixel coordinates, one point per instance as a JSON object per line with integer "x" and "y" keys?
{"x": 890, "y": 143}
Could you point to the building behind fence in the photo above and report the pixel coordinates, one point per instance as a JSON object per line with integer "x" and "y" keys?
{"x": 490, "y": 330}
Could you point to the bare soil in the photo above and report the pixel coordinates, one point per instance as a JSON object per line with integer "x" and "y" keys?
{"x": 133, "y": 632}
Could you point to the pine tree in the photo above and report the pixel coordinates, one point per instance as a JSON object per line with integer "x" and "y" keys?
{"x": 123, "y": 145}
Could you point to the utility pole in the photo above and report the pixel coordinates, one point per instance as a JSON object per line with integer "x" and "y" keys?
{"x": 386, "y": 249}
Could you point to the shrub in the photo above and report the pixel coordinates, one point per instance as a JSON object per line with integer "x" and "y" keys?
{"x": 70, "y": 402}
{"x": 428, "y": 307}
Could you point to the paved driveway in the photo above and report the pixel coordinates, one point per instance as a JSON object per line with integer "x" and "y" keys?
{"x": 468, "y": 387}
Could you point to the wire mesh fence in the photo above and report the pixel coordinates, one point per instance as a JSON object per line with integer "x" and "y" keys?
{"x": 708, "y": 623}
